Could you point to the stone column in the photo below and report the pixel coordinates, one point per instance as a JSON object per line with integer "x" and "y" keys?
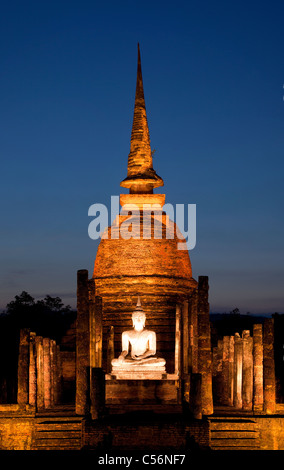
{"x": 110, "y": 348}
{"x": 193, "y": 333}
{"x": 193, "y": 330}
{"x": 238, "y": 371}
{"x": 257, "y": 368}
{"x": 204, "y": 346}
{"x": 46, "y": 373}
{"x": 92, "y": 328}
{"x": 247, "y": 378}
{"x": 195, "y": 396}
{"x": 53, "y": 371}
{"x": 32, "y": 371}
{"x": 178, "y": 341}
{"x": 217, "y": 371}
{"x": 58, "y": 376}
{"x": 82, "y": 343}
{"x": 269, "y": 366}
{"x": 23, "y": 368}
{"x": 98, "y": 331}
{"x": 185, "y": 340}
{"x": 97, "y": 392}
{"x": 225, "y": 370}
{"x": 231, "y": 371}
{"x": 39, "y": 372}
{"x": 178, "y": 352}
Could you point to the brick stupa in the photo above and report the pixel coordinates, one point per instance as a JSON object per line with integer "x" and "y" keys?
{"x": 153, "y": 268}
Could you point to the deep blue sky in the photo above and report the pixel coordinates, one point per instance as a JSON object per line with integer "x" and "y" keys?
{"x": 213, "y": 76}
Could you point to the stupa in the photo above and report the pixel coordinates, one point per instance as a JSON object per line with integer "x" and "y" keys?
{"x": 155, "y": 268}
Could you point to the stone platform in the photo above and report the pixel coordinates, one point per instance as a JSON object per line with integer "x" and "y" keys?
{"x": 138, "y": 373}
{"x": 143, "y": 390}
{"x": 60, "y": 428}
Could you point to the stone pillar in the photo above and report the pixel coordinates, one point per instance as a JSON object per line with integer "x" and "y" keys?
{"x": 97, "y": 392}
{"x": 23, "y": 368}
{"x": 269, "y": 366}
{"x": 57, "y": 393}
{"x": 53, "y": 371}
{"x": 238, "y": 371}
{"x": 217, "y": 371}
{"x": 92, "y": 329}
{"x": 98, "y": 331}
{"x": 204, "y": 346}
{"x": 32, "y": 371}
{"x": 193, "y": 331}
{"x": 110, "y": 348}
{"x": 225, "y": 370}
{"x": 39, "y": 372}
{"x": 178, "y": 341}
{"x": 195, "y": 396}
{"x": 231, "y": 371}
{"x": 257, "y": 368}
{"x": 46, "y": 373}
{"x": 247, "y": 377}
{"x": 185, "y": 340}
{"x": 82, "y": 343}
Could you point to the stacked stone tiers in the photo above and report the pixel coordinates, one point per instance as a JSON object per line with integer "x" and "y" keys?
{"x": 138, "y": 372}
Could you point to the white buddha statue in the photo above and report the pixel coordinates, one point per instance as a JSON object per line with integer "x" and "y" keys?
{"x": 138, "y": 346}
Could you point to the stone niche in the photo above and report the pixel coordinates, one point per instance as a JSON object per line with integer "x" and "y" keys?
{"x": 184, "y": 344}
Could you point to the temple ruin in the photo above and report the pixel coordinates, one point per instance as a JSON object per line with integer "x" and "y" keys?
{"x": 195, "y": 379}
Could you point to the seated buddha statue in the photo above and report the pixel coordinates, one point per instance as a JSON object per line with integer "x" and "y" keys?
{"x": 138, "y": 345}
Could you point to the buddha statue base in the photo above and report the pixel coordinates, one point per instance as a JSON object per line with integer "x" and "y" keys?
{"x": 138, "y": 372}
{"x": 152, "y": 368}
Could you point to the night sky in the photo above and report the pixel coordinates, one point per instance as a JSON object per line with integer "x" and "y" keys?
{"x": 213, "y": 75}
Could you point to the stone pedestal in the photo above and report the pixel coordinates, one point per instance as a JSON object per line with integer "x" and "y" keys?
{"x": 142, "y": 392}
{"x": 138, "y": 372}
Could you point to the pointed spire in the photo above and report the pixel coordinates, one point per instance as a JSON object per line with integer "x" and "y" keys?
{"x": 141, "y": 177}
{"x": 138, "y": 307}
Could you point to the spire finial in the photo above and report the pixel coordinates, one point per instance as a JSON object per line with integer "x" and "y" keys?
{"x": 141, "y": 177}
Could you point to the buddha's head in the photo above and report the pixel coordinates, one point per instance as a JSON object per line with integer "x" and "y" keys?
{"x": 138, "y": 317}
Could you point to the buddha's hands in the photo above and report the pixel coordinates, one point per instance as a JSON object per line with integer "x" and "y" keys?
{"x": 143, "y": 356}
{"x": 121, "y": 358}
{"x": 137, "y": 358}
